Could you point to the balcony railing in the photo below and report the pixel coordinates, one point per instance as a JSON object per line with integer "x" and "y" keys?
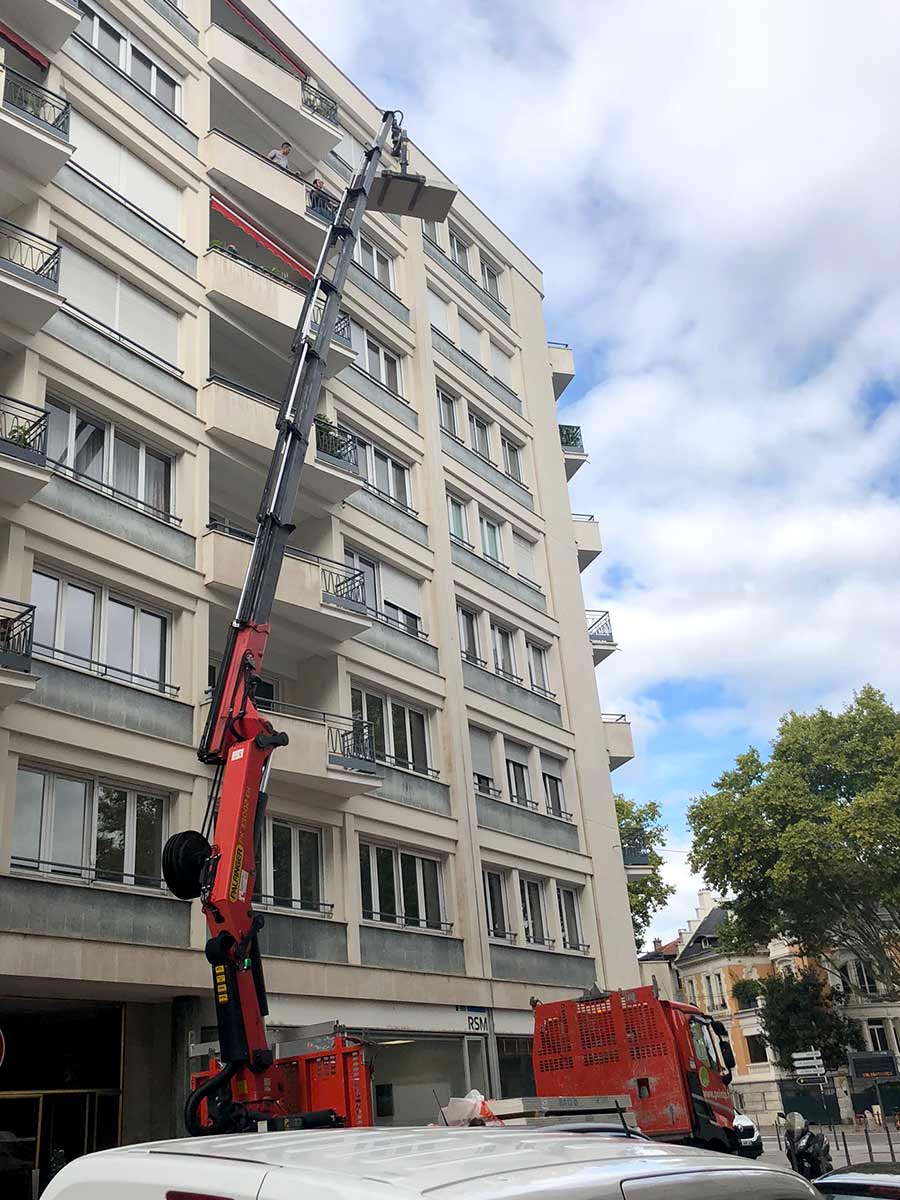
{"x": 321, "y": 204}
{"x": 114, "y": 493}
{"x": 106, "y": 670}
{"x": 407, "y": 764}
{"x": 23, "y": 429}
{"x": 505, "y": 935}
{"x": 37, "y": 102}
{"x": 16, "y": 634}
{"x": 85, "y": 873}
{"x": 341, "y": 327}
{"x": 30, "y": 252}
{"x": 347, "y": 736}
{"x": 483, "y": 788}
{"x": 389, "y": 918}
{"x": 320, "y": 104}
{"x": 294, "y": 903}
{"x": 635, "y": 858}
{"x": 599, "y": 626}
{"x": 615, "y": 718}
{"x": 570, "y": 438}
{"x": 585, "y": 518}
{"x": 336, "y": 443}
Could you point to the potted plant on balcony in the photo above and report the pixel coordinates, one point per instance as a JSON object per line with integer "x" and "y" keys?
{"x": 17, "y": 434}
{"x": 746, "y": 991}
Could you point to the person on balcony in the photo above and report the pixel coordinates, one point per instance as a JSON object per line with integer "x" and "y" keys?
{"x": 281, "y": 158}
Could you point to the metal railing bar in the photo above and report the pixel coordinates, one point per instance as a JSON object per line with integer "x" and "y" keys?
{"x": 68, "y": 658}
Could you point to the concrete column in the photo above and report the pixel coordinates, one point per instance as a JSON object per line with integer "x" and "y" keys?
{"x": 147, "y": 1073}
{"x": 352, "y": 895}
{"x": 185, "y": 1029}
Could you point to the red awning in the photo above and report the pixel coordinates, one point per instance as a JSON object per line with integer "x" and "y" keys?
{"x": 26, "y": 48}
{"x": 248, "y": 227}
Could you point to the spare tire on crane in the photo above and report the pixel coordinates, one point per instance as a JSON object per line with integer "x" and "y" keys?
{"x": 184, "y": 856}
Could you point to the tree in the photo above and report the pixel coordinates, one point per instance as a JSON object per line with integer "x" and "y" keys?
{"x": 801, "y": 1012}
{"x": 807, "y": 845}
{"x": 640, "y": 833}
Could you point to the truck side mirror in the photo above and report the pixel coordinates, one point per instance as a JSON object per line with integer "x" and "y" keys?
{"x": 727, "y": 1054}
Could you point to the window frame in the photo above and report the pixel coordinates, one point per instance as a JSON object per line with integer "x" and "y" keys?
{"x": 130, "y": 43}
{"x": 265, "y": 895}
{"x": 503, "y": 638}
{"x": 571, "y": 940}
{"x": 446, "y": 400}
{"x": 463, "y": 614}
{"x": 110, "y": 432}
{"x": 480, "y": 436}
{"x": 389, "y": 755}
{"x": 401, "y": 919}
{"x": 86, "y": 870}
{"x": 509, "y": 459}
{"x": 560, "y": 811}
{"x": 539, "y": 653}
{"x": 103, "y": 594}
{"x": 462, "y": 506}
{"x": 526, "y": 884}
{"x": 383, "y": 353}
{"x": 460, "y": 248}
{"x": 489, "y": 269}
{"x": 866, "y": 983}
{"x": 485, "y": 520}
{"x": 502, "y": 931}
{"x": 877, "y": 1026}
{"x": 377, "y": 250}
{"x": 513, "y": 768}
{"x": 367, "y": 451}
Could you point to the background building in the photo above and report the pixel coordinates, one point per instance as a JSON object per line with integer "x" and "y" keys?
{"x": 441, "y": 840}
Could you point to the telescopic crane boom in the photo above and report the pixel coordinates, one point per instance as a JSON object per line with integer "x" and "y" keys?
{"x": 218, "y": 864}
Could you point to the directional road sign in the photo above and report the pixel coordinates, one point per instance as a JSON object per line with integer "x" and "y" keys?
{"x": 808, "y": 1062}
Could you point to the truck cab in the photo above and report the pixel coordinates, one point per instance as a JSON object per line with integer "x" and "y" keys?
{"x": 707, "y": 1060}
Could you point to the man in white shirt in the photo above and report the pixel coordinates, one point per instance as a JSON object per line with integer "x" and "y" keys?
{"x": 280, "y": 157}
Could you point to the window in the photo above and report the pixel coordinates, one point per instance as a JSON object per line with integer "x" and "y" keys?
{"x": 512, "y": 460}
{"x": 482, "y": 761}
{"x": 692, "y": 992}
{"x": 121, "y": 171}
{"x": 459, "y": 250}
{"x": 88, "y": 625}
{"x": 537, "y": 668}
{"x": 468, "y": 634}
{"x": 504, "y": 651}
{"x": 389, "y": 594}
{"x": 470, "y": 339}
{"x": 350, "y": 149}
{"x": 87, "y": 827}
{"x": 400, "y": 887}
{"x": 384, "y": 473}
{"x": 517, "y": 774}
{"x": 718, "y": 991}
{"x": 101, "y": 452}
{"x": 429, "y": 228}
{"x": 382, "y": 364}
{"x": 551, "y": 771}
{"x": 118, "y": 45}
{"x": 119, "y": 305}
{"x": 456, "y": 513}
{"x": 447, "y": 412}
{"x": 290, "y": 873}
{"x": 399, "y": 731}
{"x": 495, "y": 903}
{"x": 569, "y": 922}
{"x": 865, "y": 980}
{"x": 523, "y": 557}
{"x": 756, "y": 1048}
{"x": 490, "y": 539}
{"x": 703, "y": 1046}
{"x": 375, "y": 260}
{"x": 878, "y": 1036}
{"x": 266, "y": 688}
{"x": 500, "y": 365}
{"x": 490, "y": 278}
{"x": 438, "y": 312}
{"x": 532, "y": 895}
{"x": 479, "y": 436}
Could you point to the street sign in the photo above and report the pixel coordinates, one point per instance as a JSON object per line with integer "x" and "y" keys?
{"x": 808, "y": 1062}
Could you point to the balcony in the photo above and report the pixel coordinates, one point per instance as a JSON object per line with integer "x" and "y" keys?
{"x": 587, "y": 539}
{"x": 600, "y": 635}
{"x": 244, "y": 419}
{"x": 562, "y": 366}
{"x": 619, "y": 742}
{"x": 637, "y": 864}
{"x": 45, "y": 23}
{"x": 29, "y": 277}
{"x": 23, "y": 451}
{"x": 268, "y": 303}
{"x": 16, "y": 634}
{"x": 326, "y": 753}
{"x": 574, "y": 453}
{"x": 304, "y": 115}
{"x": 288, "y": 207}
{"x": 323, "y": 598}
{"x": 34, "y": 134}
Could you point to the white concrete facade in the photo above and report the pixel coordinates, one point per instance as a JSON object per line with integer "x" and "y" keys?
{"x": 151, "y": 344}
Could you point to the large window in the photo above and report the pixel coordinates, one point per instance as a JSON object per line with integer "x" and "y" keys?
{"x": 375, "y": 260}
{"x": 116, "y": 303}
{"x": 382, "y": 364}
{"x": 290, "y": 873}
{"x": 468, "y": 633}
{"x": 878, "y": 1036}
{"x": 479, "y": 436}
{"x": 517, "y": 774}
{"x": 459, "y": 250}
{"x": 119, "y": 45}
{"x": 87, "y": 828}
{"x": 399, "y": 731}
{"x": 121, "y": 171}
{"x": 99, "y": 452}
{"x": 390, "y": 594}
{"x": 447, "y": 411}
{"x": 490, "y": 539}
{"x": 512, "y": 460}
{"x": 495, "y": 903}
{"x": 537, "y": 668}
{"x": 569, "y": 917}
{"x": 534, "y": 921}
{"x": 490, "y": 278}
{"x": 480, "y": 742}
{"x": 90, "y": 625}
{"x": 456, "y": 513}
{"x": 551, "y": 771}
{"x": 865, "y": 980}
{"x": 504, "y": 651}
{"x": 384, "y": 473}
{"x": 400, "y": 887}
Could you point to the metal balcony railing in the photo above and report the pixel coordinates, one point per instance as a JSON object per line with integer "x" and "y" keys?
{"x": 347, "y": 736}
{"x": 585, "y": 518}
{"x": 321, "y": 204}
{"x": 389, "y": 918}
{"x": 341, "y": 328}
{"x": 36, "y": 101}
{"x": 16, "y": 634}
{"x": 505, "y": 935}
{"x": 570, "y": 438}
{"x": 85, "y": 873}
{"x": 599, "y": 626}
{"x": 117, "y": 494}
{"x": 23, "y": 429}
{"x": 615, "y": 718}
{"x": 336, "y": 443}
{"x": 105, "y": 670}
{"x": 635, "y": 858}
{"x": 30, "y": 252}
{"x": 320, "y": 104}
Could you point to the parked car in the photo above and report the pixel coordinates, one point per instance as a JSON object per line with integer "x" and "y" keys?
{"x": 442, "y": 1164}
{"x": 749, "y": 1137}
{"x": 862, "y": 1180}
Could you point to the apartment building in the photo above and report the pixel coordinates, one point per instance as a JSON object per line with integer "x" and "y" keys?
{"x": 441, "y": 842}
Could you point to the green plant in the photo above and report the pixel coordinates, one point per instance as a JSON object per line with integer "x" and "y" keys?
{"x": 17, "y": 434}
{"x": 745, "y": 992}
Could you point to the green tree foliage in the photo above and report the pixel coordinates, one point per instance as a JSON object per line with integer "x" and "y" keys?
{"x": 808, "y": 843}
{"x": 801, "y": 1012}
{"x": 642, "y": 832}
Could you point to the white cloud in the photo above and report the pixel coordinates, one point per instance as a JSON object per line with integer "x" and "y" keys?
{"x": 712, "y": 191}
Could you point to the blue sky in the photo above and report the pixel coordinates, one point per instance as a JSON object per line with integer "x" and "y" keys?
{"x": 711, "y": 189}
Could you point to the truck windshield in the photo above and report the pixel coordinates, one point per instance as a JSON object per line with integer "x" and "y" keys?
{"x": 704, "y": 1045}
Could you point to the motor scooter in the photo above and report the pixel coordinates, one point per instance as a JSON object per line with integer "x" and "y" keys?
{"x": 808, "y": 1153}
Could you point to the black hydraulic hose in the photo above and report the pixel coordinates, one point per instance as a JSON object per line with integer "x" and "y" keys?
{"x": 192, "y": 1106}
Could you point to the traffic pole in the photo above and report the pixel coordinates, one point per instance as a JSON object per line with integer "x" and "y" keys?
{"x": 846, "y": 1150}
{"x": 868, "y": 1141}
{"x": 887, "y": 1134}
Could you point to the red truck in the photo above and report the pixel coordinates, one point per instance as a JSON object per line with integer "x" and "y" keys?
{"x": 672, "y": 1060}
